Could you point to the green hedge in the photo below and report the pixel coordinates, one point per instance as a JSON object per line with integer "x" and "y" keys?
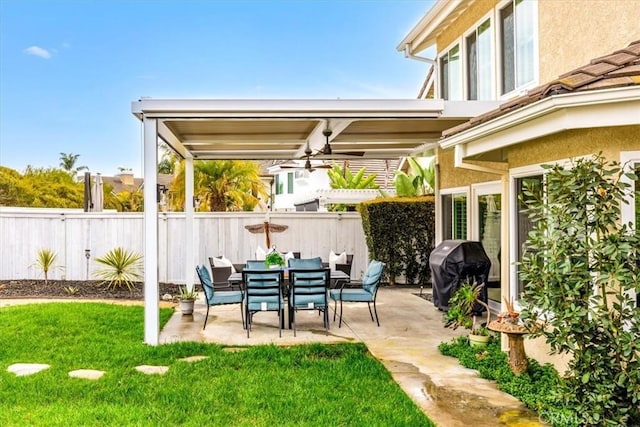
{"x": 400, "y": 232}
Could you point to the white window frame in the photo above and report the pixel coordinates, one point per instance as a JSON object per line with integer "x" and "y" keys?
{"x": 463, "y": 42}
{"x": 518, "y": 90}
{"x": 628, "y": 214}
{"x": 514, "y": 174}
{"x": 457, "y": 42}
{"x": 450, "y": 191}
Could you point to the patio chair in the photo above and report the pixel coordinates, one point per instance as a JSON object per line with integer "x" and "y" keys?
{"x": 263, "y": 292}
{"x": 346, "y": 268}
{"x": 255, "y": 264}
{"x": 308, "y": 291}
{"x": 366, "y": 292}
{"x": 214, "y": 297}
{"x": 220, "y": 276}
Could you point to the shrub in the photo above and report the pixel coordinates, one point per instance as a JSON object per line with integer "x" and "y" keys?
{"x": 580, "y": 268}
{"x": 400, "y": 232}
{"x": 121, "y": 267}
{"x": 46, "y": 262}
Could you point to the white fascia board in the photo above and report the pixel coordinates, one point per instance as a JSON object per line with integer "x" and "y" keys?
{"x": 611, "y": 107}
{"x": 423, "y": 34}
{"x": 467, "y": 109}
{"x": 282, "y": 108}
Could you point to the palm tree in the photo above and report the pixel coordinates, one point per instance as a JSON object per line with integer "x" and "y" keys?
{"x": 225, "y": 185}
{"x": 68, "y": 163}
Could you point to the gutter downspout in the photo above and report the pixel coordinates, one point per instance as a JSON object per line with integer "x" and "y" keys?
{"x": 433, "y": 62}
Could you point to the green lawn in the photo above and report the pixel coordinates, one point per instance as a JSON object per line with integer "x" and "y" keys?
{"x": 263, "y": 385}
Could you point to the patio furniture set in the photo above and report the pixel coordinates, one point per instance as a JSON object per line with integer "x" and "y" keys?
{"x": 305, "y": 284}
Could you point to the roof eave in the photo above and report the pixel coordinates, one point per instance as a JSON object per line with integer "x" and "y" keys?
{"x": 551, "y": 115}
{"x": 424, "y": 33}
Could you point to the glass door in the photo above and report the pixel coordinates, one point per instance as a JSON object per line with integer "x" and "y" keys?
{"x": 487, "y": 230}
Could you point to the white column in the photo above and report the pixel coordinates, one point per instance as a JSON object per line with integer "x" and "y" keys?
{"x": 151, "y": 292}
{"x": 506, "y": 234}
{"x": 189, "y": 232}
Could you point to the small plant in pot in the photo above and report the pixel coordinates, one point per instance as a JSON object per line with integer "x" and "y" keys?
{"x": 274, "y": 259}
{"x": 187, "y": 299}
{"x": 463, "y": 312}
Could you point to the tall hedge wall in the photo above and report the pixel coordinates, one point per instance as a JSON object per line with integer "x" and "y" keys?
{"x": 400, "y": 232}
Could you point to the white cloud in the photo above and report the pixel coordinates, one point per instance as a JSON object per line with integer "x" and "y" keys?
{"x": 38, "y": 51}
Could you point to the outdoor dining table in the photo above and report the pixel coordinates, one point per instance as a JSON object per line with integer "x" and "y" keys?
{"x": 336, "y": 276}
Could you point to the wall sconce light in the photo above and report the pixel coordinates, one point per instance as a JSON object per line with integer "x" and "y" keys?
{"x": 161, "y": 190}
{"x": 196, "y": 202}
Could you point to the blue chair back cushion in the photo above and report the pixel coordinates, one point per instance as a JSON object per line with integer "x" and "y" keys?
{"x": 255, "y": 264}
{"x": 305, "y": 263}
{"x": 372, "y": 276}
{"x": 205, "y": 280}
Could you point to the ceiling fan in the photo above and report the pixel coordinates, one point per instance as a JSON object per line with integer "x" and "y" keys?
{"x": 327, "y": 150}
{"x": 307, "y": 163}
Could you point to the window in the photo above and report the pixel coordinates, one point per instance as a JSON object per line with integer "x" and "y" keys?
{"x": 454, "y": 216}
{"x": 290, "y": 183}
{"x": 517, "y": 44}
{"x": 279, "y": 185}
{"x": 478, "y": 51}
{"x": 450, "y": 75}
{"x": 523, "y": 223}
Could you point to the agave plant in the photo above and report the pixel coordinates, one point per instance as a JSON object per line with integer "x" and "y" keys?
{"x": 46, "y": 261}
{"x": 121, "y": 267}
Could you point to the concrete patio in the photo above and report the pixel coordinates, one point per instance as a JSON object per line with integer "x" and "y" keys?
{"x": 406, "y": 343}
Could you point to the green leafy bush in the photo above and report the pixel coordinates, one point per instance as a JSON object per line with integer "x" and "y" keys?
{"x": 400, "y": 232}
{"x": 579, "y": 269}
{"x": 121, "y": 268}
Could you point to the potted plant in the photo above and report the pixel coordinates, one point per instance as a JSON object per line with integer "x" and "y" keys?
{"x": 274, "y": 259}
{"x": 187, "y": 299}
{"x": 463, "y": 312}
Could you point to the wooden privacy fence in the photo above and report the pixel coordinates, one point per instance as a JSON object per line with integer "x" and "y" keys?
{"x": 73, "y": 235}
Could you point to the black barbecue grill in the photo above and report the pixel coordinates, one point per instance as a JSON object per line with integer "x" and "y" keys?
{"x": 454, "y": 261}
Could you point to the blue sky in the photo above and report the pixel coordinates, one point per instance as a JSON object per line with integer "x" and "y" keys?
{"x": 69, "y": 70}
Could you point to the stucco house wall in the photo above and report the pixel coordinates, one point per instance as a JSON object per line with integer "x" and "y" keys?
{"x": 572, "y": 32}
{"x": 452, "y": 177}
{"x": 576, "y": 142}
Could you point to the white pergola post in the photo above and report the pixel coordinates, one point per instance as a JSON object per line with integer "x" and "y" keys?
{"x": 151, "y": 292}
{"x": 189, "y": 232}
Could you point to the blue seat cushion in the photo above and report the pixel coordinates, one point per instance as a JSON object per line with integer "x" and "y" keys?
{"x": 351, "y": 295}
{"x": 303, "y": 301}
{"x": 372, "y": 276}
{"x": 255, "y": 303}
{"x": 227, "y": 297}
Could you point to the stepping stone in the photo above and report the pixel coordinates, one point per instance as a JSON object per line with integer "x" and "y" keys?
{"x": 234, "y": 349}
{"x": 192, "y": 359}
{"x": 87, "y": 374}
{"x": 22, "y": 369}
{"x": 152, "y": 370}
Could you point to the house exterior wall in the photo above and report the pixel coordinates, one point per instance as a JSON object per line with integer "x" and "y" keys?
{"x": 451, "y": 177}
{"x": 577, "y": 142}
{"x": 572, "y": 32}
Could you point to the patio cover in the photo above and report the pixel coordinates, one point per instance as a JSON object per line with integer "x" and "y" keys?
{"x": 276, "y": 130}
